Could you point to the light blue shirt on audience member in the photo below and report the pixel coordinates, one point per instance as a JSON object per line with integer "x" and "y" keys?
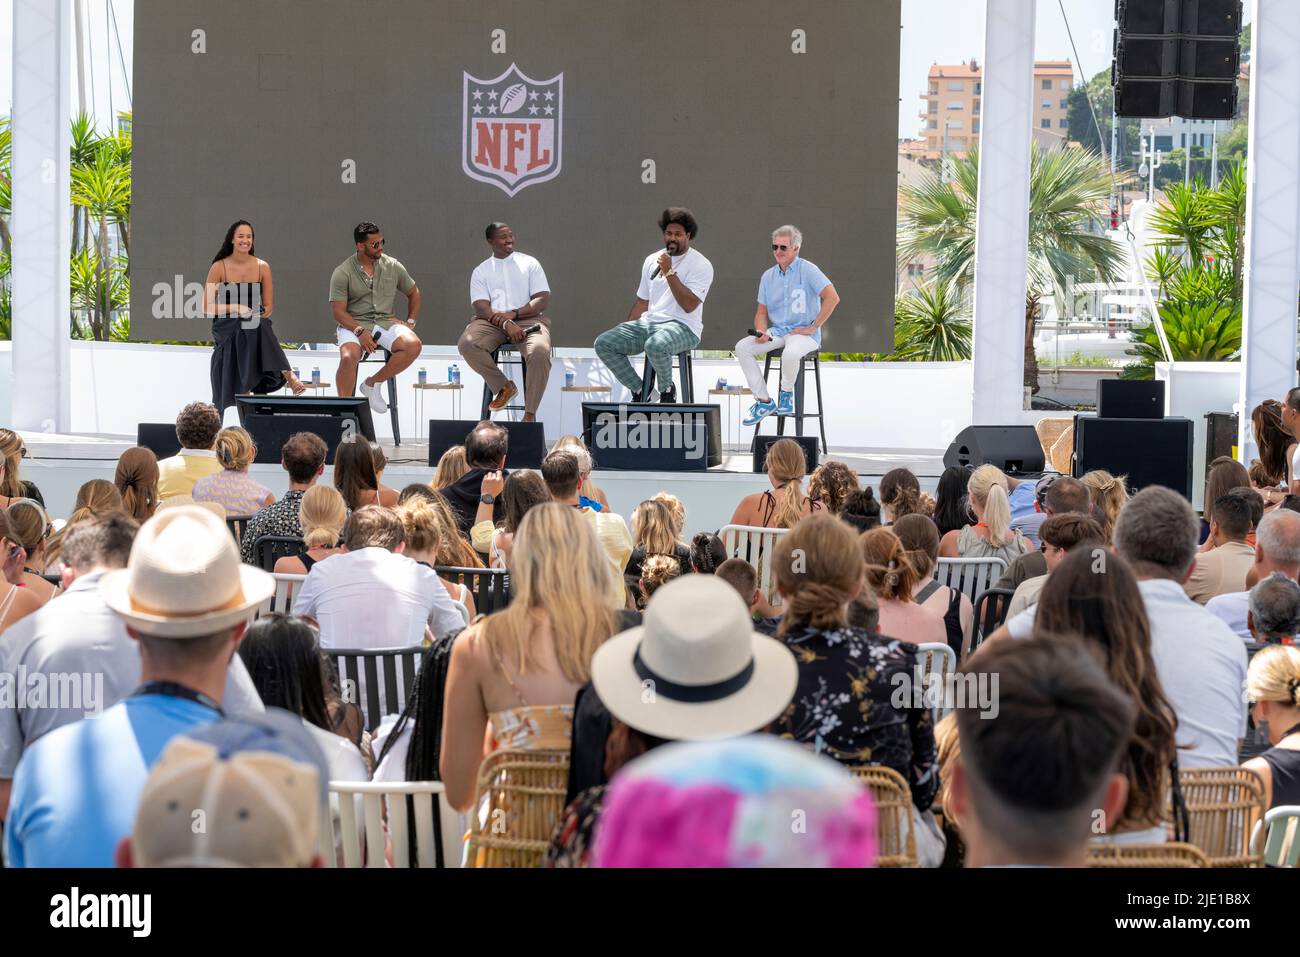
{"x": 793, "y": 297}
{"x": 76, "y": 789}
{"x": 1021, "y": 499}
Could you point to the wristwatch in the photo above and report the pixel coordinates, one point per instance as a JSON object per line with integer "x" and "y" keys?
{"x": 487, "y": 498}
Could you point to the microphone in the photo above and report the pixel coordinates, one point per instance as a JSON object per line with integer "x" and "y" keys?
{"x": 655, "y": 275}
{"x": 755, "y": 333}
{"x": 535, "y": 327}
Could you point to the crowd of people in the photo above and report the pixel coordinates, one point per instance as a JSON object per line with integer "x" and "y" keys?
{"x": 1121, "y": 661}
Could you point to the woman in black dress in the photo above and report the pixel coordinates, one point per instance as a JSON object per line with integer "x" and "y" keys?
{"x": 246, "y": 355}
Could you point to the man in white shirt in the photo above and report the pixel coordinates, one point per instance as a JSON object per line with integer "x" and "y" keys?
{"x": 509, "y": 293}
{"x": 1200, "y": 662}
{"x": 667, "y": 315}
{"x": 1277, "y": 549}
{"x": 562, "y": 472}
{"x": 371, "y": 595}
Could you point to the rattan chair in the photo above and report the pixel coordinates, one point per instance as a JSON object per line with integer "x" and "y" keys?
{"x": 1146, "y": 855}
{"x": 1222, "y": 803}
{"x": 893, "y": 800}
{"x": 523, "y": 791}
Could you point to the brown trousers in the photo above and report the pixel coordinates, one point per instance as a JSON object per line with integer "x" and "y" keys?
{"x": 481, "y": 337}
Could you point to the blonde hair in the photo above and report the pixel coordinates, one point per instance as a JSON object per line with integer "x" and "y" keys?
{"x": 29, "y": 524}
{"x": 235, "y": 449}
{"x": 786, "y": 464}
{"x": 95, "y": 499}
{"x": 451, "y": 467}
{"x": 675, "y": 508}
{"x": 11, "y": 447}
{"x": 988, "y": 486}
{"x": 453, "y": 550}
{"x": 420, "y": 523}
{"x": 578, "y": 595}
{"x": 136, "y": 479}
{"x": 657, "y": 571}
{"x": 652, "y": 528}
{"x": 889, "y": 573}
{"x": 947, "y": 747}
{"x": 322, "y": 515}
{"x": 578, "y": 448}
{"x": 1109, "y": 494}
{"x": 1274, "y": 675}
{"x": 819, "y": 586}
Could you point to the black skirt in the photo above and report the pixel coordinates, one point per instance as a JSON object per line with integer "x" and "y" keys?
{"x": 244, "y": 360}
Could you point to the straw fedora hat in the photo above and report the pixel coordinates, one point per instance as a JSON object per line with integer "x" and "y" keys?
{"x": 184, "y": 578}
{"x": 695, "y": 669}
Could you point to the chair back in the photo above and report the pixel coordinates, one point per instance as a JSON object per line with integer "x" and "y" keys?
{"x": 1221, "y": 804}
{"x": 938, "y": 664}
{"x": 270, "y": 548}
{"x": 237, "y": 524}
{"x": 520, "y": 800}
{"x": 1277, "y": 837}
{"x": 990, "y": 614}
{"x": 491, "y": 586}
{"x": 378, "y": 681}
{"x": 755, "y": 545}
{"x": 410, "y": 809}
{"x": 1172, "y": 854}
{"x": 893, "y": 814}
{"x": 970, "y": 576}
{"x": 282, "y": 600}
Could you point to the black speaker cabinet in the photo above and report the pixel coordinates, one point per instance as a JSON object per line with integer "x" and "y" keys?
{"x": 525, "y": 450}
{"x": 1130, "y": 399}
{"x": 1014, "y": 449}
{"x": 1148, "y": 451}
{"x": 158, "y": 437}
{"x": 809, "y": 444}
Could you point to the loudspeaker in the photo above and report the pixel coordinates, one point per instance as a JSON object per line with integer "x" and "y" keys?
{"x": 809, "y": 444}
{"x": 270, "y": 432}
{"x": 1014, "y": 449}
{"x": 652, "y": 436}
{"x": 525, "y": 450}
{"x": 1177, "y": 58}
{"x": 1148, "y": 451}
{"x": 1130, "y": 399}
{"x": 159, "y": 438}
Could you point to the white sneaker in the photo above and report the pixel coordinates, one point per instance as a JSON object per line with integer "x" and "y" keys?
{"x": 376, "y": 398}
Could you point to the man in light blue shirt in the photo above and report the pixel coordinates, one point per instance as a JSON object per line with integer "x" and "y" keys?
{"x": 794, "y": 301}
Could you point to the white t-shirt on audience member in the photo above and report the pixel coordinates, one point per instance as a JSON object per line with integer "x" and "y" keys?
{"x": 1231, "y": 608}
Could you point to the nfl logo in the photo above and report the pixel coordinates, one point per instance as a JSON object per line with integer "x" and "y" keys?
{"x": 511, "y": 129}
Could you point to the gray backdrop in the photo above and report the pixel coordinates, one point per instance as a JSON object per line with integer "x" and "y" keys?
{"x": 742, "y": 130}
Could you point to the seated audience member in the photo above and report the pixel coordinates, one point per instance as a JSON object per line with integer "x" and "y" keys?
{"x": 519, "y": 669}
{"x": 1027, "y": 521}
{"x": 1274, "y": 613}
{"x": 846, "y": 705}
{"x": 372, "y": 595}
{"x": 1100, "y": 603}
{"x": 1223, "y": 567}
{"x": 213, "y": 508}
{"x": 1225, "y": 474}
{"x": 31, "y": 529}
{"x": 861, "y": 510}
{"x": 653, "y": 534}
{"x": 863, "y": 612}
{"x": 1021, "y": 496}
{"x": 992, "y": 535}
{"x": 1273, "y": 686}
{"x": 1260, "y": 481}
{"x": 1257, "y": 509}
{"x": 784, "y": 504}
{"x": 387, "y": 496}
{"x": 707, "y": 552}
{"x": 562, "y": 474}
{"x": 196, "y": 429}
{"x": 485, "y": 451}
{"x": 741, "y": 576}
{"x": 96, "y": 499}
{"x": 321, "y": 516}
{"x": 1062, "y": 494}
{"x": 354, "y": 473}
{"x": 901, "y": 495}
{"x": 12, "y": 484}
{"x": 1060, "y": 534}
{"x": 1031, "y": 777}
{"x": 1272, "y": 436}
{"x": 420, "y": 526}
{"x": 519, "y": 493}
{"x": 454, "y": 549}
{"x": 1200, "y": 663}
{"x": 232, "y": 488}
{"x": 187, "y": 600}
{"x": 920, "y": 538}
{"x": 831, "y": 484}
{"x": 1109, "y": 496}
{"x": 656, "y": 571}
{"x": 678, "y": 512}
{"x": 951, "y": 510}
{"x": 590, "y": 497}
{"x": 262, "y": 782}
{"x": 17, "y": 601}
{"x": 694, "y": 624}
{"x": 303, "y": 457}
{"x": 893, "y": 581}
{"x": 730, "y": 804}
{"x": 451, "y": 467}
{"x": 408, "y": 746}
{"x": 136, "y": 480}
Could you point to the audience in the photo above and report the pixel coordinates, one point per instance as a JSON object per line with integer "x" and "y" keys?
{"x": 451, "y": 467}
{"x": 485, "y": 452}
{"x": 232, "y": 488}
{"x": 136, "y": 480}
{"x": 187, "y": 600}
{"x": 656, "y": 571}
{"x": 707, "y": 553}
{"x": 454, "y": 550}
{"x": 1060, "y": 534}
{"x": 354, "y": 473}
{"x": 654, "y": 533}
{"x": 18, "y": 601}
{"x": 1031, "y": 778}
{"x": 901, "y": 495}
{"x": 12, "y": 484}
{"x": 1109, "y": 496}
{"x": 831, "y": 483}
{"x": 422, "y": 530}
{"x": 31, "y": 529}
{"x": 589, "y": 496}
{"x": 951, "y": 511}
{"x": 920, "y": 539}
{"x": 96, "y": 499}
{"x": 1059, "y": 495}
{"x": 372, "y": 595}
{"x": 1028, "y": 516}
{"x": 1257, "y": 506}
{"x": 784, "y": 504}
{"x": 992, "y": 535}
{"x": 676, "y": 509}
{"x": 1273, "y": 687}
{"x": 861, "y": 510}
{"x": 303, "y": 457}
{"x": 741, "y": 576}
{"x": 1225, "y": 474}
{"x": 1273, "y": 612}
{"x": 519, "y": 493}
{"x": 893, "y": 581}
{"x": 196, "y": 429}
{"x": 563, "y": 475}
{"x": 1222, "y": 568}
{"x": 1273, "y": 438}
{"x": 321, "y": 516}
{"x": 387, "y": 496}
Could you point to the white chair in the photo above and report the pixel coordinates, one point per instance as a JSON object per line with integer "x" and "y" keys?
{"x": 936, "y": 657}
{"x": 282, "y": 600}
{"x": 755, "y": 545}
{"x": 428, "y": 798}
{"x": 969, "y": 575}
{"x": 1278, "y": 836}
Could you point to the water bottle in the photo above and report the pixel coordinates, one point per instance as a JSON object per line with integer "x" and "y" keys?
{"x": 570, "y": 379}
{"x": 424, "y": 376}
{"x": 451, "y": 374}
{"x": 455, "y": 368}
{"x": 315, "y": 376}
{"x": 722, "y": 383}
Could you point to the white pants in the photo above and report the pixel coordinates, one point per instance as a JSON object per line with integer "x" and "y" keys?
{"x": 384, "y": 338}
{"x": 749, "y": 349}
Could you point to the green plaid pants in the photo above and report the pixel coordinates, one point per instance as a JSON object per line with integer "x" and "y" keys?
{"x": 660, "y": 341}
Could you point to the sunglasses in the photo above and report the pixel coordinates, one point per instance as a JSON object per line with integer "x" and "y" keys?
{"x": 378, "y": 243}
{"x": 780, "y": 246}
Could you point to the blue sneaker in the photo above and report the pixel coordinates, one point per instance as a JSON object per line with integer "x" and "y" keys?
{"x": 759, "y": 411}
{"x": 786, "y": 405}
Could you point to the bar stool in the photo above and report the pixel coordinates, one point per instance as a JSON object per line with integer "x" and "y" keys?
{"x": 513, "y": 358}
{"x": 392, "y": 390}
{"x": 799, "y": 414}
{"x": 684, "y": 372}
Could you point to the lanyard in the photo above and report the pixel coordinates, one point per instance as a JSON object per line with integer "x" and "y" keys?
{"x": 173, "y": 690}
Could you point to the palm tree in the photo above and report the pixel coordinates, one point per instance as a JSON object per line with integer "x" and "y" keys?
{"x": 103, "y": 189}
{"x": 84, "y": 140}
{"x": 6, "y": 185}
{"x": 1069, "y": 192}
{"x": 930, "y": 325}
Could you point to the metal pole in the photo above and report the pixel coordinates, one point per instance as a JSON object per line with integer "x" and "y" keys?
{"x": 1214, "y": 155}
{"x": 80, "y": 31}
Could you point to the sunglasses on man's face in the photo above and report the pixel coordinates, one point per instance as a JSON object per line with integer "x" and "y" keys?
{"x": 377, "y": 244}
{"x": 776, "y": 246}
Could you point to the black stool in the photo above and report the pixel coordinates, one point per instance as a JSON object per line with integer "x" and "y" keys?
{"x": 515, "y": 358}
{"x": 392, "y": 390}
{"x": 799, "y": 414}
{"x": 684, "y": 372}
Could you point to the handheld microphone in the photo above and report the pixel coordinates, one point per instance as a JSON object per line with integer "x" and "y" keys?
{"x": 655, "y": 275}
{"x": 535, "y": 327}
{"x": 755, "y": 333}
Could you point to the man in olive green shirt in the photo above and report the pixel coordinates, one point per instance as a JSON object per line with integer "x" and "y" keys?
{"x": 362, "y": 290}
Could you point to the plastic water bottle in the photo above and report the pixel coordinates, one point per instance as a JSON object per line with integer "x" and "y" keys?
{"x": 570, "y": 379}
{"x": 315, "y": 376}
{"x": 455, "y": 371}
{"x": 451, "y": 374}
{"x": 424, "y": 376}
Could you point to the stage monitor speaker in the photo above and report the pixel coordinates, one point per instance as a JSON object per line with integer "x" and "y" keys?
{"x": 1130, "y": 399}
{"x": 525, "y": 450}
{"x": 159, "y": 438}
{"x": 653, "y": 437}
{"x": 270, "y": 432}
{"x": 1148, "y": 451}
{"x": 809, "y": 443}
{"x": 1014, "y": 449}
